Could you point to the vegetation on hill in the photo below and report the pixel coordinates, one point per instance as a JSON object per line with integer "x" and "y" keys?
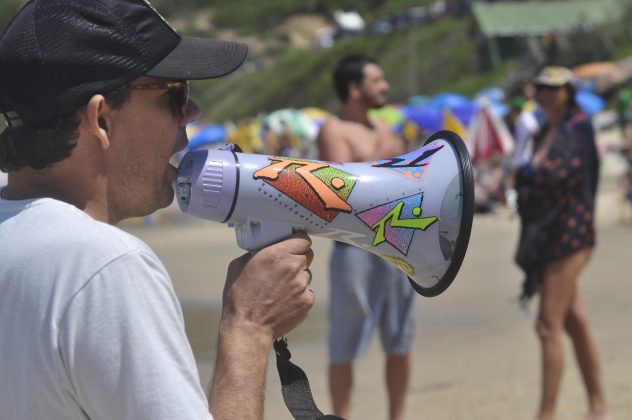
{"x": 427, "y": 59}
{"x": 435, "y": 57}
{"x": 253, "y": 16}
{"x": 445, "y": 60}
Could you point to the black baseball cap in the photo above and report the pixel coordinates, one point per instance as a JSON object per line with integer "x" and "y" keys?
{"x": 56, "y": 54}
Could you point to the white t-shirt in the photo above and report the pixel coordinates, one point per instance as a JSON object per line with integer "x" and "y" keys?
{"x": 90, "y": 327}
{"x": 526, "y": 126}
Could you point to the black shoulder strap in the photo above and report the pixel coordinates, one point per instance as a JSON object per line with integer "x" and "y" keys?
{"x": 295, "y": 386}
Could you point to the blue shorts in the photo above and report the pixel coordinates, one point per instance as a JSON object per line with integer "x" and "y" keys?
{"x": 367, "y": 291}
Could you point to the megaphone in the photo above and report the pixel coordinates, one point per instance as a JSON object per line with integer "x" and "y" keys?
{"x": 414, "y": 210}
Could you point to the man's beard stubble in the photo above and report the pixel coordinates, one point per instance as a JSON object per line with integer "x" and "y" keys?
{"x": 372, "y": 103}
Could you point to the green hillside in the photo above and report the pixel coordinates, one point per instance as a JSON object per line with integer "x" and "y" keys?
{"x": 435, "y": 57}
{"x": 255, "y": 15}
{"x": 446, "y": 60}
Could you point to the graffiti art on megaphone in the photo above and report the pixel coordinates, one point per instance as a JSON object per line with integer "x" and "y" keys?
{"x": 414, "y": 210}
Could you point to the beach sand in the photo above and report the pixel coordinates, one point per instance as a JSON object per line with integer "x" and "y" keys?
{"x": 475, "y": 353}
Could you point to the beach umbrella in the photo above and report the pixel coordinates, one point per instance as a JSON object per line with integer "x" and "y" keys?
{"x": 601, "y": 76}
{"x": 452, "y": 123}
{"x": 208, "y": 135}
{"x": 492, "y": 94}
{"x": 294, "y": 121}
{"x": 245, "y": 134}
{"x": 279, "y": 120}
{"x": 289, "y": 132}
{"x": 499, "y": 109}
{"x": 589, "y": 102}
{"x": 465, "y": 112}
{"x": 314, "y": 113}
{"x": 488, "y": 135}
{"x": 449, "y": 100}
{"x": 428, "y": 118}
{"x": 419, "y": 100}
{"x": 192, "y": 129}
{"x": 388, "y": 113}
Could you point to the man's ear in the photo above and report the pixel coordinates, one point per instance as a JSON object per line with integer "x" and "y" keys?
{"x": 97, "y": 120}
{"x": 354, "y": 90}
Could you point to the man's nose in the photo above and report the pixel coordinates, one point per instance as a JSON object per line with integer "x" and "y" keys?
{"x": 192, "y": 113}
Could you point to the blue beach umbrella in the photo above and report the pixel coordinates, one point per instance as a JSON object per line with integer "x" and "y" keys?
{"x": 500, "y": 109}
{"x": 492, "y": 94}
{"x": 207, "y": 135}
{"x": 449, "y": 100}
{"x": 589, "y": 102}
{"x": 465, "y": 112}
{"x": 419, "y": 100}
{"x": 428, "y": 118}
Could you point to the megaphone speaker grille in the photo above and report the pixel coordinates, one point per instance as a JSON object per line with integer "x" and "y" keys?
{"x": 466, "y": 215}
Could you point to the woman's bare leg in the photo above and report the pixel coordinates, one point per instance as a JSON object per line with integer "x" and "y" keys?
{"x": 556, "y": 299}
{"x": 587, "y": 359}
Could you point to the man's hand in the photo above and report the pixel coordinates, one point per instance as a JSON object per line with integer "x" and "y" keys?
{"x": 269, "y": 292}
{"x": 266, "y": 296}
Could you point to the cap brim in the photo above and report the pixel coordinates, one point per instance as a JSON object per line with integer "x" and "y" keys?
{"x": 200, "y": 58}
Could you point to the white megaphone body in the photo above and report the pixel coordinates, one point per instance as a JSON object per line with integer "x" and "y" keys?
{"x": 414, "y": 210}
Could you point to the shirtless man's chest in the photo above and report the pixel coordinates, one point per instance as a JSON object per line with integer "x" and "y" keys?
{"x": 369, "y": 143}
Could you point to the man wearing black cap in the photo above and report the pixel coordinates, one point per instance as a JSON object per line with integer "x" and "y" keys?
{"x": 94, "y": 103}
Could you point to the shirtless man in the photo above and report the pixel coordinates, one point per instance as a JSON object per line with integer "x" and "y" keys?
{"x": 353, "y": 136}
{"x": 366, "y": 291}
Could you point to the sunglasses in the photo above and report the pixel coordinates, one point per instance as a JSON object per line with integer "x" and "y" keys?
{"x": 547, "y": 87}
{"x": 178, "y": 93}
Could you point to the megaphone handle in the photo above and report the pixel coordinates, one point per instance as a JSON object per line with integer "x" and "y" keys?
{"x": 254, "y": 234}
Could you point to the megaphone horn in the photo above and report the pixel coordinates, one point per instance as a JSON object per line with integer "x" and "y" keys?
{"x": 414, "y": 210}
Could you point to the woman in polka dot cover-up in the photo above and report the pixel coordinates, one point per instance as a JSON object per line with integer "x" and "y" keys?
{"x": 556, "y": 201}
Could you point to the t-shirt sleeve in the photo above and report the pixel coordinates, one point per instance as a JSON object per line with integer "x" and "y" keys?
{"x": 123, "y": 348}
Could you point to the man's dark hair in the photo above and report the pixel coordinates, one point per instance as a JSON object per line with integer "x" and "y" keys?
{"x": 42, "y": 144}
{"x": 350, "y": 69}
